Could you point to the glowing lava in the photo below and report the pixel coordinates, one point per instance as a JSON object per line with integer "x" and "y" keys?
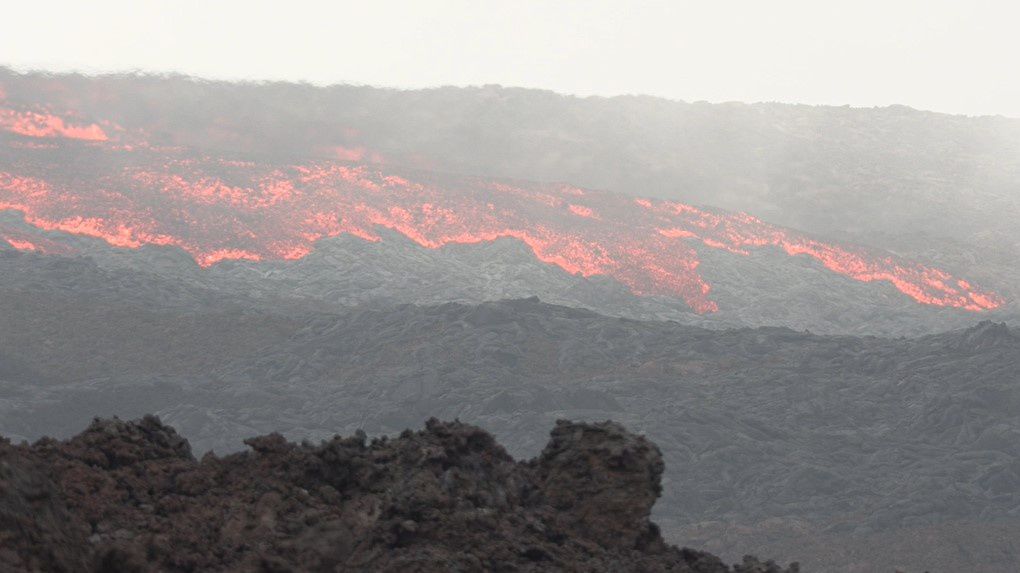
{"x": 22, "y": 241}
{"x": 219, "y": 208}
{"x": 34, "y": 124}
{"x": 20, "y": 244}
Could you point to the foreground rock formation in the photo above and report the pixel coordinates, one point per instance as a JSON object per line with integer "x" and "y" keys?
{"x": 129, "y": 496}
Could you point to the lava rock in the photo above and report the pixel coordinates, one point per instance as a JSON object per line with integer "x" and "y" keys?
{"x": 128, "y": 496}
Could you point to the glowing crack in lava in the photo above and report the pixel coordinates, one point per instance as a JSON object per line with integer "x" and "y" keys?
{"x": 74, "y": 177}
{"x": 217, "y": 210}
{"x": 20, "y": 244}
{"x": 46, "y": 125}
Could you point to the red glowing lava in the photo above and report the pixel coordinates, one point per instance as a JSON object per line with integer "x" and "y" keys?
{"x": 20, "y": 244}
{"x": 34, "y": 124}
{"x": 132, "y": 193}
{"x": 256, "y": 211}
{"x": 24, "y": 241}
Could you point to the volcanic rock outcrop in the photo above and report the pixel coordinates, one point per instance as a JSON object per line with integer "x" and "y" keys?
{"x": 129, "y": 496}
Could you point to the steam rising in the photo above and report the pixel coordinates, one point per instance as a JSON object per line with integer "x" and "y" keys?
{"x": 223, "y": 208}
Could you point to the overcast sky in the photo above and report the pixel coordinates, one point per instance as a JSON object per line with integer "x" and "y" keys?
{"x": 952, "y": 56}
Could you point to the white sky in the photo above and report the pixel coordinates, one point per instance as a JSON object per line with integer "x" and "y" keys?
{"x": 954, "y": 56}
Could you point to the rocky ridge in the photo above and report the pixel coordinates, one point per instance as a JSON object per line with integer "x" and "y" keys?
{"x": 129, "y": 496}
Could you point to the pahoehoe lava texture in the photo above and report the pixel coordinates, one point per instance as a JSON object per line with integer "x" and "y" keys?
{"x": 129, "y": 496}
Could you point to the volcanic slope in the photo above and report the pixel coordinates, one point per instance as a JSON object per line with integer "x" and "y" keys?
{"x": 758, "y": 289}
{"x": 815, "y": 448}
{"x": 68, "y": 170}
{"x": 935, "y": 189}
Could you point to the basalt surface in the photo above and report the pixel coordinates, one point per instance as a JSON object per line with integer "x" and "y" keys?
{"x": 129, "y": 496}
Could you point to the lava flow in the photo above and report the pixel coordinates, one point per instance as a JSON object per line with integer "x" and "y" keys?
{"x": 43, "y": 124}
{"x": 219, "y": 208}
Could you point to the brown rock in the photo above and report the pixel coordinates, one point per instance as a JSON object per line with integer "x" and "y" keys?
{"x": 128, "y": 496}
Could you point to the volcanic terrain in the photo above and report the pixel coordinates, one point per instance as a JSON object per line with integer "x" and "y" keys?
{"x": 811, "y": 311}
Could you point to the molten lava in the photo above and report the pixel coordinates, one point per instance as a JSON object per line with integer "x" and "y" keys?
{"x": 34, "y": 124}
{"x": 131, "y": 194}
{"x": 20, "y": 244}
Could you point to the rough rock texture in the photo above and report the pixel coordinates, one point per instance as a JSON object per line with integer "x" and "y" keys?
{"x": 847, "y": 454}
{"x": 35, "y": 526}
{"x": 604, "y": 478}
{"x": 129, "y": 496}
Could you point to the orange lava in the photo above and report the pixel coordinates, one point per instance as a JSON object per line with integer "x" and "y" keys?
{"x": 24, "y": 241}
{"x": 34, "y": 124}
{"x": 131, "y": 193}
{"x": 20, "y": 244}
{"x": 256, "y": 212}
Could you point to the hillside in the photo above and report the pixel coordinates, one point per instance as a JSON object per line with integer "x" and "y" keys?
{"x": 812, "y": 311}
{"x": 938, "y": 187}
{"x": 774, "y": 436}
{"x": 268, "y": 186}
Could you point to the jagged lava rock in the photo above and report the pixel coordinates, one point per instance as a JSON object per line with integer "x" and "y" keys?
{"x": 129, "y": 496}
